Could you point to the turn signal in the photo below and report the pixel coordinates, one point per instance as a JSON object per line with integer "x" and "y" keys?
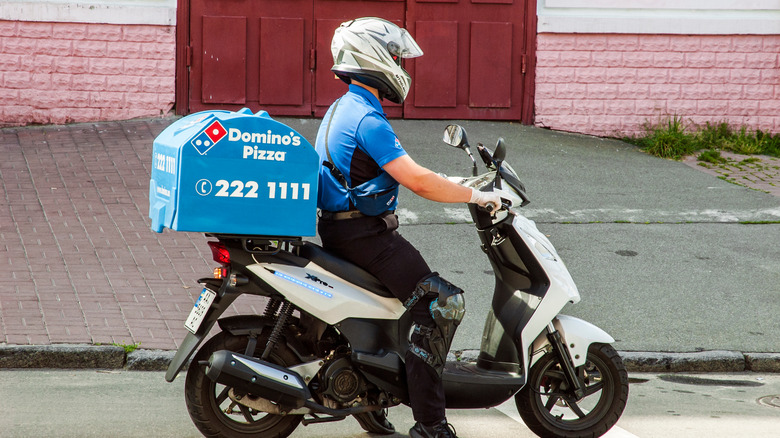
{"x": 220, "y": 273}
{"x": 237, "y": 280}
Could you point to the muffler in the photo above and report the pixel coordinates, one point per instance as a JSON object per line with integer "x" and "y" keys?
{"x": 258, "y": 377}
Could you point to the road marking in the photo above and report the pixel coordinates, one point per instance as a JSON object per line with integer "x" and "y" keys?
{"x": 638, "y": 215}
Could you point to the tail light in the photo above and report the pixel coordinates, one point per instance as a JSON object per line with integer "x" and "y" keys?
{"x": 220, "y": 253}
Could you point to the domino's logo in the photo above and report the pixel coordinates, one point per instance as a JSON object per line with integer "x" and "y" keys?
{"x": 209, "y": 137}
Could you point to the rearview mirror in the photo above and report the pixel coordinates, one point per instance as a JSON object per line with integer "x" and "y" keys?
{"x": 500, "y": 152}
{"x": 455, "y": 135}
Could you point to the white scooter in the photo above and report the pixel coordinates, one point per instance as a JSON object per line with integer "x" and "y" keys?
{"x": 332, "y": 339}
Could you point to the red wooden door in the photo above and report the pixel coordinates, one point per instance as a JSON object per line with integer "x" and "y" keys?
{"x": 275, "y": 55}
{"x": 474, "y": 64}
{"x": 251, "y": 53}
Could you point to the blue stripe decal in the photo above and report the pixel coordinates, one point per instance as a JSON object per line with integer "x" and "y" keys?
{"x": 300, "y": 283}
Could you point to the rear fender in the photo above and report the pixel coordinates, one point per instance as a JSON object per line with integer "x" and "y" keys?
{"x": 191, "y": 342}
{"x": 577, "y": 335}
{"x": 245, "y": 325}
{"x": 238, "y": 325}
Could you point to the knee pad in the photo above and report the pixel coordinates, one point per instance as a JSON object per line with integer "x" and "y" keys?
{"x": 447, "y": 307}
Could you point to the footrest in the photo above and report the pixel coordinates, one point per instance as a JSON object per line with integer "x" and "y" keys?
{"x": 468, "y": 386}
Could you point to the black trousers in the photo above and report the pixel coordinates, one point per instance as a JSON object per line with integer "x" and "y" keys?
{"x": 373, "y": 243}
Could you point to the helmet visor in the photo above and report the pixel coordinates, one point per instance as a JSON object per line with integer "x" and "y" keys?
{"x": 405, "y": 47}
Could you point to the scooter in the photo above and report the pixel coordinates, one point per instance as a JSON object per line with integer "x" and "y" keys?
{"x": 331, "y": 341}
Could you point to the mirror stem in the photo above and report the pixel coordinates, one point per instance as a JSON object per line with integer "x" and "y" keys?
{"x": 474, "y": 169}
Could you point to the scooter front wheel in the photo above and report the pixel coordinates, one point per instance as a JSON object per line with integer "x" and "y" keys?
{"x": 215, "y": 414}
{"x": 547, "y": 404}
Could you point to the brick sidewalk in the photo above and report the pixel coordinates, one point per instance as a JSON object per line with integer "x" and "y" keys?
{"x": 80, "y": 263}
{"x": 758, "y": 172}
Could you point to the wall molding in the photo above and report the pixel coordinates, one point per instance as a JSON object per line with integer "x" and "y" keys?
{"x": 148, "y": 12}
{"x": 697, "y": 17}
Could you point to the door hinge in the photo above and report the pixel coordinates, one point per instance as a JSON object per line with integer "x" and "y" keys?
{"x": 312, "y": 59}
{"x": 188, "y": 55}
{"x": 522, "y": 64}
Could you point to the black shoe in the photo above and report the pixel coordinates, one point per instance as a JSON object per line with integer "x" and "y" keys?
{"x": 375, "y": 422}
{"x": 441, "y": 430}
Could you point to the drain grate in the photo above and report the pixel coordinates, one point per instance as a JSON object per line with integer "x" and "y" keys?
{"x": 770, "y": 400}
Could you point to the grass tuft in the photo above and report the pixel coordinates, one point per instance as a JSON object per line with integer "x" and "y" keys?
{"x": 129, "y": 348}
{"x": 673, "y": 138}
{"x": 711, "y": 156}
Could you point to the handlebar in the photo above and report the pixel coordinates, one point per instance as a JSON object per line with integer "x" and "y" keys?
{"x": 504, "y": 206}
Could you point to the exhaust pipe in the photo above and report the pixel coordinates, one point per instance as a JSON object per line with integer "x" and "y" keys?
{"x": 258, "y": 377}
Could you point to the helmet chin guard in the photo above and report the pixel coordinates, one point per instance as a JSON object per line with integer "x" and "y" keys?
{"x": 369, "y": 50}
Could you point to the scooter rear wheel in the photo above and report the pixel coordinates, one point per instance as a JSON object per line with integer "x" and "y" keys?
{"x": 215, "y": 414}
{"x": 548, "y": 407}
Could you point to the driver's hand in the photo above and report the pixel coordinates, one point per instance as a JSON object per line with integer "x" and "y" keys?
{"x": 485, "y": 199}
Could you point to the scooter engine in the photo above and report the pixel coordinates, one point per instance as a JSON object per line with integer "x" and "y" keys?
{"x": 341, "y": 382}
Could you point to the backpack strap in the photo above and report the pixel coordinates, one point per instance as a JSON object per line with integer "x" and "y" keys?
{"x": 329, "y": 162}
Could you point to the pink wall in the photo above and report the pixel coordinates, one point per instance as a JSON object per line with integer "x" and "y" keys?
{"x": 610, "y": 84}
{"x": 55, "y": 73}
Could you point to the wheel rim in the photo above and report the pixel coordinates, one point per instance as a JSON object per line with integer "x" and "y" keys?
{"x": 555, "y": 400}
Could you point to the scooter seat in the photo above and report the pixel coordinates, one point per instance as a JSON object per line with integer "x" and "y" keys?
{"x": 344, "y": 269}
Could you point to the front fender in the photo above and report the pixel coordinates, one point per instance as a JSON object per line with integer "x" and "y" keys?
{"x": 577, "y": 335}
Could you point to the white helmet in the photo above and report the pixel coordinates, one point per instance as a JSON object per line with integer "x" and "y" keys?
{"x": 369, "y": 50}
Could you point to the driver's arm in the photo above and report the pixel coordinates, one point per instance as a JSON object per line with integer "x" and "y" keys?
{"x": 425, "y": 183}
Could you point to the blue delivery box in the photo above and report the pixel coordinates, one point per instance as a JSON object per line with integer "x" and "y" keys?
{"x": 228, "y": 172}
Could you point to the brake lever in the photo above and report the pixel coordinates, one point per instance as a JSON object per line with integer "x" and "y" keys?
{"x": 486, "y": 156}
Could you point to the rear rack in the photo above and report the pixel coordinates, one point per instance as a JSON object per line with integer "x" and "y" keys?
{"x": 267, "y": 245}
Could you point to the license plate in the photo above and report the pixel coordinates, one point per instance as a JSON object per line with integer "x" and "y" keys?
{"x": 199, "y": 311}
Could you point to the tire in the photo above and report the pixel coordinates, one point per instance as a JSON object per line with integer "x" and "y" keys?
{"x": 606, "y": 389}
{"x": 208, "y": 410}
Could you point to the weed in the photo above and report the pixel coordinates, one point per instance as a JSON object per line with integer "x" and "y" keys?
{"x": 672, "y": 138}
{"x": 750, "y": 160}
{"x": 711, "y": 156}
{"x": 668, "y": 139}
{"x": 129, "y": 348}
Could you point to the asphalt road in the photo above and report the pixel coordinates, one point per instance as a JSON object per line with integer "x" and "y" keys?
{"x": 123, "y": 404}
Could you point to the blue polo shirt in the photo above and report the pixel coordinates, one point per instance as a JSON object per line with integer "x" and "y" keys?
{"x": 358, "y": 124}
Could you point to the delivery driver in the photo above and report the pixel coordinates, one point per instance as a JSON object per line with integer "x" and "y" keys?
{"x": 362, "y": 165}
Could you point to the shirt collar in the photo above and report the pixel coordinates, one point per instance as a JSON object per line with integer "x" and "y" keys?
{"x": 357, "y": 89}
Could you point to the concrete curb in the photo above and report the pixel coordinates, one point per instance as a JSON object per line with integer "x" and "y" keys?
{"x": 65, "y": 356}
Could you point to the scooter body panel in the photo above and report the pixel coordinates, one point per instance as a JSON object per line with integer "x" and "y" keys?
{"x": 326, "y": 296}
